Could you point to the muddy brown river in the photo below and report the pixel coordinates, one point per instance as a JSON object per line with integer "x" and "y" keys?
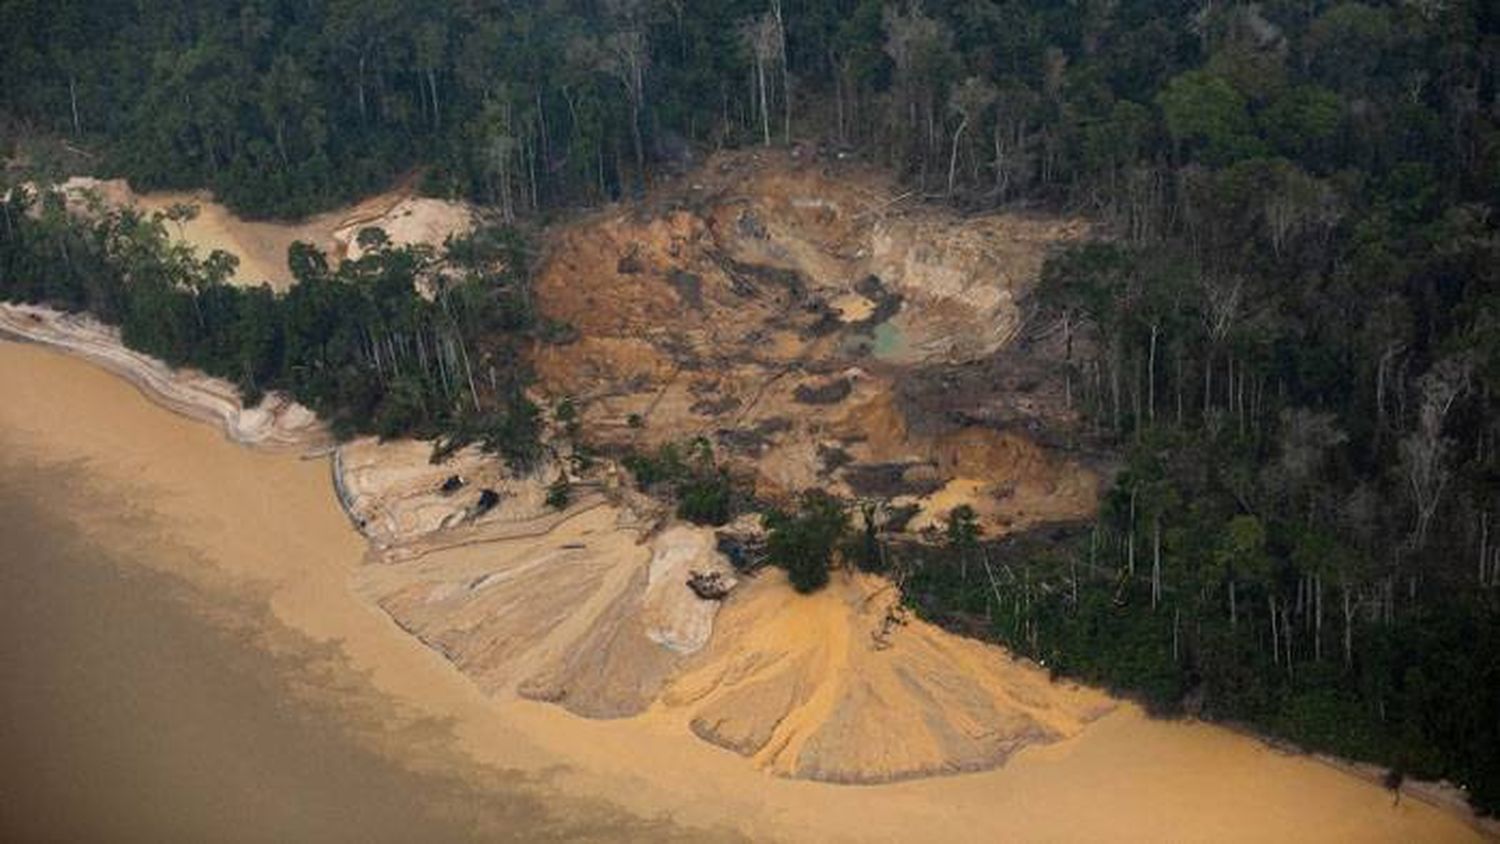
{"x": 134, "y": 707}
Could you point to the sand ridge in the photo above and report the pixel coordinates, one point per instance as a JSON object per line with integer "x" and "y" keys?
{"x": 843, "y": 686}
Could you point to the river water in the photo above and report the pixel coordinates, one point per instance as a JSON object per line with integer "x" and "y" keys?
{"x": 134, "y": 707}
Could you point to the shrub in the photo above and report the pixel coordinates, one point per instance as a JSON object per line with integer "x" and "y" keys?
{"x": 803, "y": 543}
{"x": 560, "y": 493}
{"x": 705, "y": 500}
{"x": 704, "y": 491}
{"x": 864, "y": 547}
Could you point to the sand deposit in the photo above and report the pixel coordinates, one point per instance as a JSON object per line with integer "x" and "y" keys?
{"x": 261, "y": 246}
{"x": 840, "y": 686}
{"x": 845, "y": 686}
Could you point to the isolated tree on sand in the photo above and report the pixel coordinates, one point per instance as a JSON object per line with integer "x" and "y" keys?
{"x": 803, "y": 543}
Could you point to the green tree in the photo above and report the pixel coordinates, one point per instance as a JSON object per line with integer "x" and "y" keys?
{"x": 1206, "y": 115}
{"x": 1241, "y": 557}
{"x": 804, "y": 542}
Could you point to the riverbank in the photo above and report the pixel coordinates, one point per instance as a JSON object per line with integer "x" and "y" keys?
{"x": 266, "y": 527}
{"x": 277, "y": 423}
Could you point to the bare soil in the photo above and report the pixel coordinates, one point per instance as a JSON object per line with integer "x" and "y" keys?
{"x": 785, "y": 308}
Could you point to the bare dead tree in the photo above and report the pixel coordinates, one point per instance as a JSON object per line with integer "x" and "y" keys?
{"x": 762, "y": 36}
{"x": 1220, "y": 308}
{"x": 970, "y": 101}
{"x": 786, "y": 75}
{"x": 1424, "y": 451}
{"x": 1295, "y": 203}
{"x": 627, "y": 55}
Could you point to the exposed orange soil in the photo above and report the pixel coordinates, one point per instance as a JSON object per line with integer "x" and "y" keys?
{"x": 751, "y": 302}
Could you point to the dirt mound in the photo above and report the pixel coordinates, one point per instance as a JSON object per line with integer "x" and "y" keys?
{"x": 842, "y": 686}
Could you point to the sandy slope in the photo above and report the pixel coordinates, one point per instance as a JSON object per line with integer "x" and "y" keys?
{"x": 824, "y": 687}
{"x": 838, "y": 686}
{"x": 267, "y": 527}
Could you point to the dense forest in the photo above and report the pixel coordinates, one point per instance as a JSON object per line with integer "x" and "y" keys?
{"x": 1289, "y": 330}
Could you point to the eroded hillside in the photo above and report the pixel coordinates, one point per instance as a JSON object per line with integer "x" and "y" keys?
{"x": 815, "y": 325}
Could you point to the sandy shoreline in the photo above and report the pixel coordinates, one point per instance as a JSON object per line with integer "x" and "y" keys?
{"x": 271, "y": 527}
{"x": 278, "y": 423}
